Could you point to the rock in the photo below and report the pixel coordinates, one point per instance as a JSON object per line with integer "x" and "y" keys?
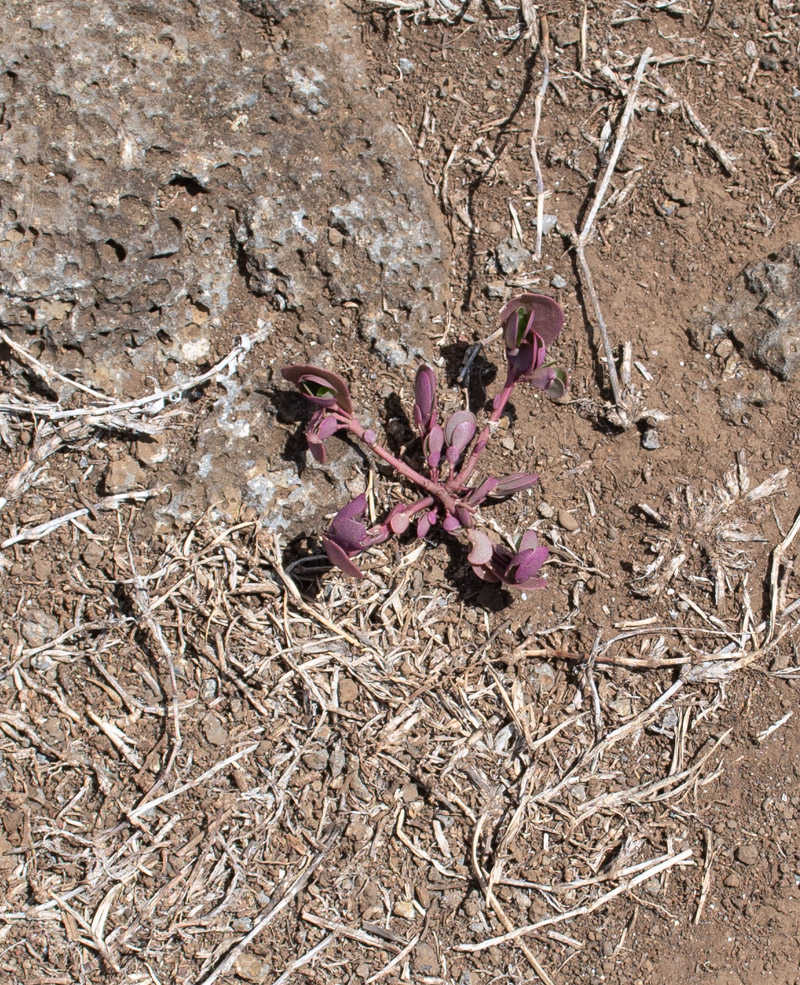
{"x": 164, "y": 212}
{"x": 650, "y": 439}
{"x": 565, "y": 35}
{"x": 316, "y": 759}
{"x": 549, "y": 223}
{"x": 122, "y": 475}
{"x": 405, "y": 909}
{"x": 511, "y": 255}
{"x": 545, "y": 510}
{"x": 252, "y": 968}
{"x": 733, "y": 880}
{"x": 680, "y": 188}
{"x": 347, "y": 690}
{"x": 567, "y": 521}
{"x": 153, "y": 451}
{"x": 763, "y": 314}
{"x": 545, "y": 675}
{"x": 214, "y": 731}
{"x": 425, "y": 960}
{"x": 747, "y": 854}
{"x": 39, "y": 627}
{"x": 558, "y": 282}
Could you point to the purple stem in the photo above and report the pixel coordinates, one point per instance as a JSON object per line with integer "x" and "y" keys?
{"x": 460, "y": 480}
{"x": 435, "y": 489}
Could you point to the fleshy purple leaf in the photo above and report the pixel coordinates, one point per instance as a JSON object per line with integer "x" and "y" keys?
{"x": 423, "y": 525}
{"x": 451, "y": 523}
{"x": 526, "y": 564}
{"x": 515, "y": 483}
{"x": 398, "y": 520}
{"x": 528, "y": 542}
{"x": 531, "y": 311}
{"x": 339, "y": 558}
{"x": 459, "y": 430}
{"x": 482, "y": 546}
{"x": 321, "y": 386}
{"x": 425, "y": 399}
{"x": 486, "y": 488}
{"x": 432, "y": 446}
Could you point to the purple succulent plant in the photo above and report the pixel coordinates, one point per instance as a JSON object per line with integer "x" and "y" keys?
{"x": 495, "y": 563}
{"x": 530, "y": 323}
{"x": 347, "y": 536}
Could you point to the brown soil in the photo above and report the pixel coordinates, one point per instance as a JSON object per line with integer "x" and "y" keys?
{"x": 391, "y": 747}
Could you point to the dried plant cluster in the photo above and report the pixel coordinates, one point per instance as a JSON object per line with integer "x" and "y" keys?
{"x": 450, "y": 453}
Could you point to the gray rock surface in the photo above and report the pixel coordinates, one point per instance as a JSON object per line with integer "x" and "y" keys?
{"x": 151, "y": 155}
{"x": 170, "y": 169}
{"x": 763, "y": 314}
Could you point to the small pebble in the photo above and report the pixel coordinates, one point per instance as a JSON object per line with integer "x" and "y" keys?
{"x": 316, "y": 759}
{"x": 724, "y": 348}
{"x": 549, "y": 223}
{"x": 214, "y": 731}
{"x": 567, "y": 520}
{"x": 650, "y": 439}
{"x": 545, "y": 675}
{"x": 405, "y": 908}
{"x": 558, "y": 282}
{"x": 747, "y": 854}
{"x": 733, "y": 880}
{"x": 425, "y": 960}
{"x": 251, "y": 968}
{"x": 546, "y": 511}
{"x": 39, "y": 627}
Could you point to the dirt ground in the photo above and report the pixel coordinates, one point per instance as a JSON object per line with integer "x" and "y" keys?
{"x": 222, "y": 761}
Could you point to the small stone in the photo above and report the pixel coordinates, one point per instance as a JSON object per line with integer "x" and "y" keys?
{"x": 578, "y": 792}
{"x": 316, "y": 759}
{"x": 507, "y": 442}
{"x": 409, "y": 793}
{"x": 750, "y": 49}
{"x": 545, "y": 675}
{"x": 93, "y": 554}
{"x": 363, "y": 970}
{"x": 621, "y": 705}
{"x": 747, "y": 854}
{"x": 406, "y": 66}
{"x": 724, "y": 348}
{"x": 359, "y": 831}
{"x": 357, "y": 786}
{"x": 153, "y": 451}
{"x": 208, "y": 689}
{"x": 425, "y": 960}
{"x": 252, "y": 968}
{"x": 558, "y": 282}
{"x": 567, "y": 521}
{"x": 546, "y": 511}
{"x": 733, "y": 880}
{"x": 405, "y": 909}
{"x": 608, "y": 949}
{"x": 214, "y": 731}
{"x": 511, "y": 255}
{"x": 650, "y": 439}
{"x": 496, "y": 289}
{"x": 122, "y": 476}
{"x": 566, "y": 35}
{"x": 769, "y": 63}
{"x": 549, "y": 223}
{"x": 681, "y": 188}
{"x": 39, "y": 627}
{"x": 348, "y": 691}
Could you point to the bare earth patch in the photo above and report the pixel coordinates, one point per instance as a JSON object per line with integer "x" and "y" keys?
{"x": 222, "y": 761}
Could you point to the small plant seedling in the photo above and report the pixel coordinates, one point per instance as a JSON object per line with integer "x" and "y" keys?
{"x": 447, "y": 497}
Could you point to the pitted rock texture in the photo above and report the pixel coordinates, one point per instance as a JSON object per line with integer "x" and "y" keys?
{"x": 763, "y": 315}
{"x": 152, "y": 157}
